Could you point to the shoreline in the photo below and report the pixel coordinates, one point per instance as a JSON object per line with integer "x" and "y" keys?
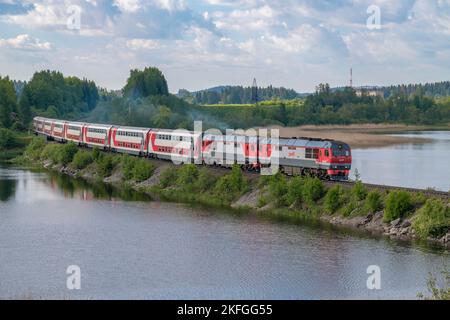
{"x": 371, "y": 225}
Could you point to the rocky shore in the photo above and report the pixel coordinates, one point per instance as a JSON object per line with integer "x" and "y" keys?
{"x": 372, "y": 222}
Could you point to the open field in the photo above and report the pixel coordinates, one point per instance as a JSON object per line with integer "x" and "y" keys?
{"x": 358, "y": 135}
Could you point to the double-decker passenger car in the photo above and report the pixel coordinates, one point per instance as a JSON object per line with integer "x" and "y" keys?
{"x": 226, "y": 150}
{"x": 176, "y": 145}
{"x": 48, "y": 127}
{"x": 74, "y": 132}
{"x": 129, "y": 140}
{"x": 97, "y": 135}
{"x": 58, "y": 132}
{"x": 38, "y": 125}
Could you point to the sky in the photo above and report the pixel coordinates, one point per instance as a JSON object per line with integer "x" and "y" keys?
{"x": 204, "y": 43}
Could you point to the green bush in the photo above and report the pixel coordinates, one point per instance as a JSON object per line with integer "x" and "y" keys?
{"x": 205, "y": 180}
{"x": 231, "y": 185}
{"x": 67, "y": 152}
{"x": 128, "y": 164}
{"x": 187, "y": 175}
{"x": 237, "y": 179}
{"x": 168, "y": 177}
{"x": 278, "y": 189}
{"x": 96, "y": 153}
{"x": 34, "y": 148}
{"x": 433, "y": 219}
{"x": 142, "y": 170}
{"x": 398, "y": 204}
{"x": 359, "y": 191}
{"x": 294, "y": 190}
{"x": 105, "y": 165}
{"x": 333, "y": 199}
{"x": 349, "y": 208}
{"x": 313, "y": 190}
{"x": 82, "y": 159}
{"x": 373, "y": 201}
{"x": 51, "y": 152}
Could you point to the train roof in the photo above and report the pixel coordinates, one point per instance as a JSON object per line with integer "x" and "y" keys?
{"x": 305, "y": 142}
{"x": 177, "y": 131}
{"x": 132, "y": 128}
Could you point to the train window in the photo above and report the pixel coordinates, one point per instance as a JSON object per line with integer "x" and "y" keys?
{"x": 327, "y": 153}
{"x": 315, "y": 153}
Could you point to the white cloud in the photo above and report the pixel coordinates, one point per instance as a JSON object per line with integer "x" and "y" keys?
{"x": 137, "y": 44}
{"x": 25, "y": 42}
{"x": 170, "y": 5}
{"x": 128, "y": 5}
{"x": 43, "y": 14}
{"x": 275, "y": 39}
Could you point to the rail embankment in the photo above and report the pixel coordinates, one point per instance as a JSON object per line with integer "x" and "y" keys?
{"x": 403, "y": 214}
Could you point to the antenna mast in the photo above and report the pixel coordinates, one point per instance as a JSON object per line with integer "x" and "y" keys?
{"x": 254, "y": 91}
{"x": 351, "y": 77}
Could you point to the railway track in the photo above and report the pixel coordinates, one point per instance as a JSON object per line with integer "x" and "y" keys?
{"x": 428, "y": 192}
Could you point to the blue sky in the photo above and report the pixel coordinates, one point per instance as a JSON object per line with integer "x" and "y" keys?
{"x": 204, "y": 43}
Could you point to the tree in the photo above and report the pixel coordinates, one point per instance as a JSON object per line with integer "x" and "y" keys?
{"x": 25, "y": 107}
{"x": 147, "y": 82}
{"x": 8, "y": 102}
{"x": 70, "y": 96}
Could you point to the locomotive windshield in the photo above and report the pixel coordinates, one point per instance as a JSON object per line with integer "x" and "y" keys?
{"x": 341, "y": 150}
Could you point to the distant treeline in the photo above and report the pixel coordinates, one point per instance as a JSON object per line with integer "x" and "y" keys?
{"x": 335, "y": 107}
{"x": 243, "y": 95}
{"x": 236, "y": 95}
{"x": 436, "y": 89}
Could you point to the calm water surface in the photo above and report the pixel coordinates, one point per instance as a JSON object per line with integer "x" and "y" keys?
{"x": 417, "y": 165}
{"x": 141, "y": 249}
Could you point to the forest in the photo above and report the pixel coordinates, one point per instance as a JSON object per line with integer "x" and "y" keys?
{"x": 146, "y": 101}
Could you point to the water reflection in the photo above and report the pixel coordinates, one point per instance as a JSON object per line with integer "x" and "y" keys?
{"x": 81, "y": 189}
{"x": 7, "y": 189}
{"x": 16, "y": 183}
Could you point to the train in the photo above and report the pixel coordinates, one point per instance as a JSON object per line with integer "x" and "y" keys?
{"x": 323, "y": 158}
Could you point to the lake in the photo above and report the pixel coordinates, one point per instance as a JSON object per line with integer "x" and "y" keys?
{"x": 416, "y": 165}
{"x": 128, "y": 248}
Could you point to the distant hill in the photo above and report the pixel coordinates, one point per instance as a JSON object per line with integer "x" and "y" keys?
{"x": 237, "y": 95}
